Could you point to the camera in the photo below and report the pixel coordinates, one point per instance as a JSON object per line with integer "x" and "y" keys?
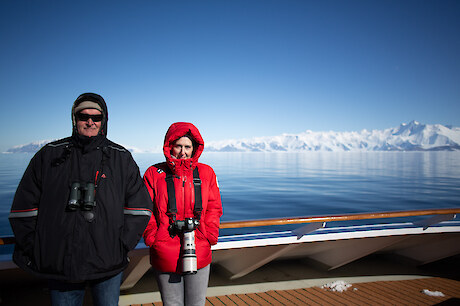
{"x": 76, "y": 200}
{"x": 187, "y": 228}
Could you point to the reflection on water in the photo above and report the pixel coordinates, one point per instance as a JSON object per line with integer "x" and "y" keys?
{"x": 271, "y": 185}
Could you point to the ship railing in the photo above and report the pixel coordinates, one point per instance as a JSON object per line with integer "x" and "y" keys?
{"x": 448, "y": 213}
{"x": 439, "y": 215}
{"x": 140, "y": 262}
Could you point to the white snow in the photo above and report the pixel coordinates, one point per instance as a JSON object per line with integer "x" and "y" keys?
{"x": 338, "y": 286}
{"x": 413, "y": 136}
{"x": 432, "y": 293}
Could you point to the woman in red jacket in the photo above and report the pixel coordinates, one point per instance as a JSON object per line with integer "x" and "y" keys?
{"x": 187, "y": 209}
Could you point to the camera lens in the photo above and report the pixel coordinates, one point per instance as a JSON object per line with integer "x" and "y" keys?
{"x": 189, "y": 264}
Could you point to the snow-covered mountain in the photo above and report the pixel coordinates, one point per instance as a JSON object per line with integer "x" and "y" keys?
{"x": 28, "y": 148}
{"x": 413, "y": 136}
{"x": 35, "y": 146}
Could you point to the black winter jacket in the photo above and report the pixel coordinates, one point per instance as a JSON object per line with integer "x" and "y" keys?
{"x": 60, "y": 244}
{"x": 57, "y": 243}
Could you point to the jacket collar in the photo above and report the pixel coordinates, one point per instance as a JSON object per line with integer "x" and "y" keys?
{"x": 87, "y": 144}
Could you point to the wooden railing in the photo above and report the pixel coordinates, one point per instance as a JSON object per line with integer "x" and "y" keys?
{"x": 300, "y": 220}
{"x": 6, "y": 240}
{"x": 349, "y": 217}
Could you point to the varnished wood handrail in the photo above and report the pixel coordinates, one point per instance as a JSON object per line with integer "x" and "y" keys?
{"x": 6, "y": 240}
{"x": 349, "y": 217}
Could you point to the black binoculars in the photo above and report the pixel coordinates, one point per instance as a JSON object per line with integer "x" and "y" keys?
{"x": 76, "y": 200}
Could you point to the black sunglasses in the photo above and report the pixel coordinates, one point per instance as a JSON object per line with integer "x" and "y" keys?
{"x": 86, "y": 117}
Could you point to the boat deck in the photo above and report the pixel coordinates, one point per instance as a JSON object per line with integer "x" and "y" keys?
{"x": 402, "y": 292}
{"x": 374, "y": 280}
{"x": 386, "y": 263}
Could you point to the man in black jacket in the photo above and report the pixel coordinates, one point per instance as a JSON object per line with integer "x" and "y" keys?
{"x": 79, "y": 208}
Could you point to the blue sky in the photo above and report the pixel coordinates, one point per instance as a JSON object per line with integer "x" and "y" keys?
{"x": 236, "y": 69}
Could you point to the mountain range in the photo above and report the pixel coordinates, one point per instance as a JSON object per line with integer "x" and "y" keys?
{"x": 413, "y": 136}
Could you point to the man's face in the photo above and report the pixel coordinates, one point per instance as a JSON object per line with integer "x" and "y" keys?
{"x": 88, "y": 122}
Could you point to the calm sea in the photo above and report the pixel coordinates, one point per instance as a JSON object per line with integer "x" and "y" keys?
{"x": 272, "y": 185}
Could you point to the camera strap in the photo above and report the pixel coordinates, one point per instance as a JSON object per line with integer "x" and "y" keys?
{"x": 198, "y": 201}
{"x": 172, "y": 208}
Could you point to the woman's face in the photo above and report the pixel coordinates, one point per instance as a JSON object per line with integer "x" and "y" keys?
{"x": 182, "y": 148}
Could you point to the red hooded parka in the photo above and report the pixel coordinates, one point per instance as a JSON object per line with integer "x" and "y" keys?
{"x": 165, "y": 250}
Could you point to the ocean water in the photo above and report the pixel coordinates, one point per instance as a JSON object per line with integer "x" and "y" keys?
{"x": 275, "y": 185}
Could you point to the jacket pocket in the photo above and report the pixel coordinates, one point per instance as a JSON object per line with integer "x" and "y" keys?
{"x": 202, "y": 236}
{"x": 162, "y": 234}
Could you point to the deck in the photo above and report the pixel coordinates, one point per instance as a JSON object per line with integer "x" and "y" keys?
{"x": 386, "y": 263}
{"x": 403, "y": 292}
{"x": 375, "y": 280}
